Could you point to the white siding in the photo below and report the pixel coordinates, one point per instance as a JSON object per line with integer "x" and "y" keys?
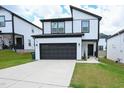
{"x": 8, "y": 15}
{"x": 77, "y": 26}
{"x": 76, "y": 40}
{"x": 47, "y": 27}
{"x": 93, "y": 34}
{"x": 68, "y": 26}
{"x": 102, "y": 42}
{"x": 8, "y": 25}
{"x": 24, "y": 28}
{"x": 81, "y": 15}
{"x": 115, "y": 48}
{"x": 93, "y": 29}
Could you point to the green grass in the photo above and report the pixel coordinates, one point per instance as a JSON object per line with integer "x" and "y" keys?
{"x": 9, "y": 58}
{"x": 107, "y": 74}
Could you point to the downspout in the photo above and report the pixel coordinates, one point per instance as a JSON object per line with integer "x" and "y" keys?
{"x": 13, "y": 32}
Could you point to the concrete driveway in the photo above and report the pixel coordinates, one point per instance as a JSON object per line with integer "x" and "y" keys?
{"x": 43, "y": 73}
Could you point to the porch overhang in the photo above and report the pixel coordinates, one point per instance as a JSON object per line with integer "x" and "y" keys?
{"x": 58, "y": 35}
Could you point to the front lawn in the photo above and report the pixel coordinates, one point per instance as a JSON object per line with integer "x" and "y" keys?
{"x": 9, "y": 58}
{"x": 104, "y": 75}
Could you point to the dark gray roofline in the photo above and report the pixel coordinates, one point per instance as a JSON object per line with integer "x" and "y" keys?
{"x": 70, "y": 18}
{"x": 58, "y": 35}
{"x": 20, "y": 17}
{"x": 57, "y": 19}
{"x": 118, "y": 33}
{"x": 89, "y": 13}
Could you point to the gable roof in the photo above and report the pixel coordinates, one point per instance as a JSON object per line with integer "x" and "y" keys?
{"x": 70, "y": 19}
{"x": 102, "y": 35}
{"x": 118, "y": 33}
{"x": 81, "y": 10}
{"x": 20, "y": 17}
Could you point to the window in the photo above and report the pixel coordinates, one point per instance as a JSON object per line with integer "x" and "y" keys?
{"x": 54, "y": 27}
{"x": 101, "y": 48}
{"x": 29, "y": 42}
{"x": 2, "y": 21}
{"x": 85, "y": 26}
{"x": 57, "y": 27}
{"x": 61, "y": 27}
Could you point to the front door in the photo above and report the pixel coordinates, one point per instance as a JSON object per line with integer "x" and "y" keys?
{"x": 19, "y": 43}
{"x": 90, "y": 49}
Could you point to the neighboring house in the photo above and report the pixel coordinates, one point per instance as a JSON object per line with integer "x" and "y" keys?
{"x": 102, "y": 45}
{"x": 115, "y": 47}
{"x": 69, "y": 38}
{"x": 15, "y": 31}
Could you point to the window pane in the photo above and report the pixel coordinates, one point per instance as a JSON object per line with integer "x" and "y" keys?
{"x": 85, "y": 26}
{"x": 100, "y": 47}
{"x": 61, "y": 27}
{"x": 2, "y": 23}
{"x": 54, "y": 24}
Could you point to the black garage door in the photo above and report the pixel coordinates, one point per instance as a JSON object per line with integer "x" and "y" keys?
{"x": 58, "y": 51}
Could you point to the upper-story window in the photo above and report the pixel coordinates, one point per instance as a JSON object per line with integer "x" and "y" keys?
{"x": 85, "y": 26}
{"x": 2, "y": 21}
{"x": 57, "y": 27}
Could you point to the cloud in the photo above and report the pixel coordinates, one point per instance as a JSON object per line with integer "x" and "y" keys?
{"x": 112, "y": 16}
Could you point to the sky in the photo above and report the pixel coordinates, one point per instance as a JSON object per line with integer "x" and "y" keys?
{"x": 112, "y": 15}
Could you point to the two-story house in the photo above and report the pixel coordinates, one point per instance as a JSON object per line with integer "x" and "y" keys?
{"x": 15, "y": 31}
{"x": 69, "y": 38}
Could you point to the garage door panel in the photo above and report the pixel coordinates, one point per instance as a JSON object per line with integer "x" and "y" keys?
{"x": 58, "y": 51}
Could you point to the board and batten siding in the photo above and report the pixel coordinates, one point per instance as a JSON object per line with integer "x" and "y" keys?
{"x": 8, "y": 21}
{"x": 115, "y": 48}
{"x": 93, "y": 24}
{"x": 25, "y": 29}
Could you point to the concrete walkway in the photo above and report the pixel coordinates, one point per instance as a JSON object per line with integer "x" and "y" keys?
{"x": 90, "y": 60}
{"x": 44, "y": 73}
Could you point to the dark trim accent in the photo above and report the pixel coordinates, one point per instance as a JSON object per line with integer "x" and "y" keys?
{"x": 10, "y": 34}
{"x": 97, "y": 48}
{"x": 43, "y": 27}
{"x": 13, "y": 32}
{"x": 64, "y": 27}
{"x": 81, "y": 10}
{"x": 90, "y": 40}
{"x": 58, "y": 35}
{"x": 118, "y": 33}
{"x": 72, "y": 27}
{"x": 56, "y": 19}
{"x": 4, "y": 21}
{"x": 8, "y": 20}
{"x": 88, "y": 25}
{"x": 20, "y": 17}
{"x": 72, "y": 22}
